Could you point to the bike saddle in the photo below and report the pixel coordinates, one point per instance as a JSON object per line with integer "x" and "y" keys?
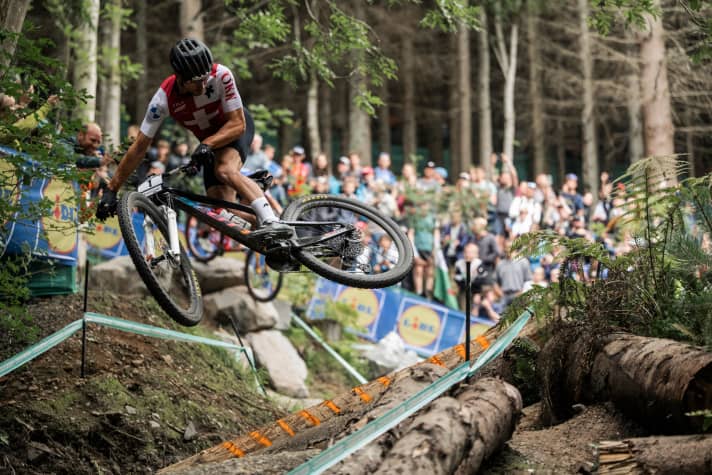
{"x": 262, "y": 178}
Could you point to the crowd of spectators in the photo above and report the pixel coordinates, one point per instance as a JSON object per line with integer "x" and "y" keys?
{"x": 472, "y": 217}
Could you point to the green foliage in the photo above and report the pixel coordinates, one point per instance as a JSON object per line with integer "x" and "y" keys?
{"x": 39, "y": 141}
{"x": 298, "y": 288}
{"x": 449, "y": 15}
{"x": 663, "y": 285}
{"x": 604, "y": 13}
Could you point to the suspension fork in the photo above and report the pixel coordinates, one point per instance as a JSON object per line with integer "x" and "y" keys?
{"x": 172, "y": 222}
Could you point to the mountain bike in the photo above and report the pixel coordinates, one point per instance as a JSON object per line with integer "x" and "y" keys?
{"x": 331, "y": 237}
{"x": 206, "y": 243}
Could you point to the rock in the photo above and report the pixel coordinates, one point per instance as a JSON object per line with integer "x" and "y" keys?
{"x": 118, "y": 275}
{"x": 228, "y": 336}
{"x": 155, "y": 416}
{"x": 275, "y": 353}
{"x": 251, "y": 316}
{"x": 190, "y": 432}
{"x": 37, "y": 452}
{"x": 167, "y": 358}
{"x": 284, "y": 314}
{"x": 154, "y": 425}
{"x": 220, "y": 273}
{"x": 130, "y": 410}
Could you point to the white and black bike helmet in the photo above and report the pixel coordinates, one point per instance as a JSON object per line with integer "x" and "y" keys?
{"x": 191, "y": 59}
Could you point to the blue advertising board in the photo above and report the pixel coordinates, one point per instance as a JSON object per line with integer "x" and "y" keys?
{"x": 53, "y": 236}
{"x": 424, "y": 326}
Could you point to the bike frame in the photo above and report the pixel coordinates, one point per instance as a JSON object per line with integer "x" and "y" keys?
{"x": 167, "y": 198}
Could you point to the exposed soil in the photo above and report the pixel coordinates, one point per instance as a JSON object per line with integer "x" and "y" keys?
{"x": 129, "y": 414}
{"x": 563, "y": 448}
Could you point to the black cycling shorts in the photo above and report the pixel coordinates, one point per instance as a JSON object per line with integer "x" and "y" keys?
{"x": 242, "y": 145}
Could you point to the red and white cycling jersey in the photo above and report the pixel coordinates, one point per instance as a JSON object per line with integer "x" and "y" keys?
{"x": 203, "y": 115}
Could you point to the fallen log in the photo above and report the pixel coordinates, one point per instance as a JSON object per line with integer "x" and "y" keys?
{"x": 656, "y": 381}
{"x": 676, "y": 455}
{"x": 345, "y": 406}
{"x": 455, "y": 434}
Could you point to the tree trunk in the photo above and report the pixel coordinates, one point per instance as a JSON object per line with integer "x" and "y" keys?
{"x": 508, "y": 64}
{"x": 560, "y": 151}
{"x": 349, "y": 406}
{"x": 462, "y": 157}
{"x": 690, "y": 146}
{"x": 588, "y": 118}
{"x": 435, "y": 140}
{"x": 313, "y": 116}
{"x": 140, "y": 91}
{"x": 654, "y": 380}
{"x": 657, "y": 110}
{"x": 112, "y": 113}
{"x": 453, "y": 435}
{"x": 384, "y": 121}
{"x": 453, "y": 112}
{"x": 359, "y": 122}
{"x": 12, "y": 17}
{"x": 679, "y": 455}
{"x": 636, "y": 147}
{"x": 485, "y": 107}
{"x": 535, "y": 94}
{"x": 85, "y": 71}
{"x": 191, "y": 20}
{"x": 410, "y": 141}
{"x": 325, "y": 120}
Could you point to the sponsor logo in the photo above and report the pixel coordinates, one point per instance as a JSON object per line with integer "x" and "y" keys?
{"x": 61, "y": 223}
{"x": 209, "y": 91}
{"x": 419, "y": 325}
{"x": 228, "y": 85}
{"x": 364, "y": 301}
{"x": 106, "y": 235}
{"x": 477, "y": 329}
{"x": 154, "y": 112}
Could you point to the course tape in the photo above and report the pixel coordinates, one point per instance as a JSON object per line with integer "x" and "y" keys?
{"x": 330, "y": 350}
{"x": 398, "y": 414}
{"x": 156, "y": 332}
{"x": 58, "y": 337}
{"x": 28, "y": 354}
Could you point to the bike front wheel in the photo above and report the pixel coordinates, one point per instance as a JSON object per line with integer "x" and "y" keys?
{"x": 263, "y": 283}
{"x": 170, "y": 278}
{"x": 374, "y": 253}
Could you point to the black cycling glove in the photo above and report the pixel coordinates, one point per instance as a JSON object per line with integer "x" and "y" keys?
{"x": 203, "y": 155}
{"x": 107, "y": 205}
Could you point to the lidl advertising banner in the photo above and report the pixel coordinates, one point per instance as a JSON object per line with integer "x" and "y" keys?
{"x": 55, "y": 234}
{"x": 425, "y": 327}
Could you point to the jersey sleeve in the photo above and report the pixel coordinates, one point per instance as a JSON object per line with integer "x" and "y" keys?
{"x": 231, "y": 99}
{"x": 155, "y": 113}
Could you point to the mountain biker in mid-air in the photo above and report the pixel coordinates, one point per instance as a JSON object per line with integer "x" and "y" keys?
{"x": 202, "y": 96}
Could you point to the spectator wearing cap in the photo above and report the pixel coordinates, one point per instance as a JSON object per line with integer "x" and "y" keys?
{"x": 463, "y": 182}
{"x": 365, "y": 190}
{"x": 429, "y": 181}
{"x": 299, "y": 173}
{"x": 383, "y": 171}
{"x": 570, "y": 194}
{"x": 343, "y": 167}
{"x": 526, "y": 200}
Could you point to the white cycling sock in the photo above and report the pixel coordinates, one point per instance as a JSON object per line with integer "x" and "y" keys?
{"x": 263, "y": 210}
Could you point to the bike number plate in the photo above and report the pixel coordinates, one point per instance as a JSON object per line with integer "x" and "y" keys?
{"x": 152, "y": 185}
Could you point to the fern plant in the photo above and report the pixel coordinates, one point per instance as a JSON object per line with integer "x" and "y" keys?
{"x": 663, "y": 286}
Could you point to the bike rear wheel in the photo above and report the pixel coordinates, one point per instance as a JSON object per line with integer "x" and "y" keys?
{"x": 170, "y": 279}
{"x": 201, "y": 242}
{"x": 263, "y": 283}
{"x": 354, "y": 259}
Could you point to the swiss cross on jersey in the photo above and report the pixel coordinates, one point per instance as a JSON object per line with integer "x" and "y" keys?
{"x": 203, "y": 115}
